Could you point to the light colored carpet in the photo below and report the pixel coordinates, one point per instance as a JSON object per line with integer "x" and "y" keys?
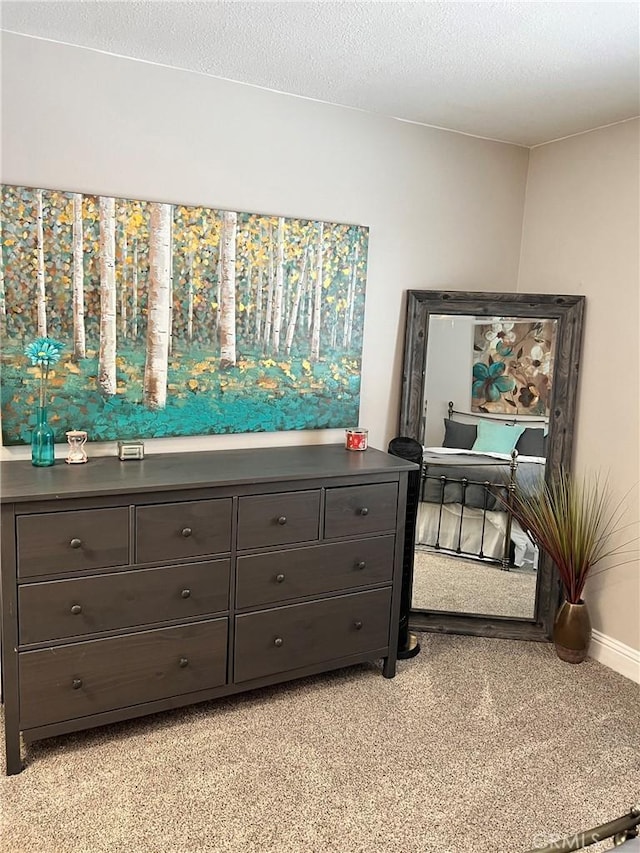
{"x": 477, "y": 746}
{"x": 442, "y": 582}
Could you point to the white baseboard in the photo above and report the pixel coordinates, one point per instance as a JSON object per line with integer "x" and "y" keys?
{"x": 615, "y": 655}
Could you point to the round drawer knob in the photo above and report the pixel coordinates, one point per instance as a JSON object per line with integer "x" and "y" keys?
{"x": 282, "y": 519}
{"x": 76, "y": 543}
{"x": 360, "y": 564}
{"x": 183, "y": 662}
{"x": 186, "y": 532}
{"x": 357, "y": 624}
{"x": 278, "y": 641}
{"x": 186, "y": 593}
{"x": 77, "y": 683}
{"x": 279, "y": 578}
{"x": 364, "y": 511}
{"x": 76, "y": 609}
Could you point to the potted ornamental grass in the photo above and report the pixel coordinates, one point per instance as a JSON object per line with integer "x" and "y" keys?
{"x": 577, "y": 523}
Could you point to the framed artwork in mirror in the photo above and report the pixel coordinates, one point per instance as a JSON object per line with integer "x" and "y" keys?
{"x": 513, "y": 366}
{"x": 489, "y": 389}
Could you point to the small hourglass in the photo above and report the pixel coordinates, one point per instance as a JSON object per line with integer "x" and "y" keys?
{"x": 76, "y": 438}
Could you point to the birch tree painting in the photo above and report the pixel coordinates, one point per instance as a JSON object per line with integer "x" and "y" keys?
{"x": 178, "y": 320}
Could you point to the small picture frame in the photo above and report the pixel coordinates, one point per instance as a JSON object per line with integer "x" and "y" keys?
{"x": 130, "y": 450}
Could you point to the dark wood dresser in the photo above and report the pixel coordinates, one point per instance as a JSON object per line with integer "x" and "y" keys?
{"x": 133, "y": 587}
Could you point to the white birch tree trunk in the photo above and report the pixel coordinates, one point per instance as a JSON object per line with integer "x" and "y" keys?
{"x": 107, "y": 354}
{"x": 228, "y": 290}
{"x": 190, "y": 296}
{"x": 268, "y": 317}
{"x": 317, "y": 297}
{"x": 79, "y": 337}
{"x": 3, "y": 300}
{"x": 277, "y": 307}
{"x": 296, "y": 302}
{"x": 216, "y": 317}
{"x": 124, "y": 251}
{"x": 41, "y": 296}
{"x": 157, "y": 361}
{"x": 334, "y": 329}
{"x": 309, "y": 296}
{"x": 171, "y": 285}
{"x": 259, "y": 286}
{"x": 134, "y": 291}
{"x": 351, "y": 300}
{"x": 247, "y": 310}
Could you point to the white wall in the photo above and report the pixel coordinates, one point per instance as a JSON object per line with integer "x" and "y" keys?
{"x": 445, "y": 210}
{"x": 581, "y": 235}
{"x": 447, "y": 372}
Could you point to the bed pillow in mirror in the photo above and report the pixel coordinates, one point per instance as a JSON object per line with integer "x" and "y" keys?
{"x": 459, "y": 435}
{"x": 532, "y": 442}
{"x": 496, "y": 437}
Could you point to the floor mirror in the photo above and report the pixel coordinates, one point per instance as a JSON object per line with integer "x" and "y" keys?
{"x": 489, "y": 390}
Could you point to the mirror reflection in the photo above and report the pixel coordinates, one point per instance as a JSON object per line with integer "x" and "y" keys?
{"x": 485, "y": 417}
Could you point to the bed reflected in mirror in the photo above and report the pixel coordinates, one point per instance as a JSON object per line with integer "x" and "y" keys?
{"x": 487, "y": 395}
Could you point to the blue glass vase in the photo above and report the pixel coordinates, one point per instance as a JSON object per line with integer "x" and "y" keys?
{"x": 42, "y": 441}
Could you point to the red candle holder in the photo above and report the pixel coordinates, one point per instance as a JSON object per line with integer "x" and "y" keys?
{"x": 356, "y": 439}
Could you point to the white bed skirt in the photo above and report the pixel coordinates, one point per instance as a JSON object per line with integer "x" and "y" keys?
{"x": 495, "y": 527}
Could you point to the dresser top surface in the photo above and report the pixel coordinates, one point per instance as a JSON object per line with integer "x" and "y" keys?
{"x": 106, "y": 475}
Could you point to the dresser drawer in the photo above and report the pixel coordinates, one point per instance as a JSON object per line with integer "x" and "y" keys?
{"x": 88, "y": 678}
{"x": 279, "y": 519}
{"x": 69, "y": 608}
{"x": 278, "y": 576}
{"x": 353, "y": 510}
{"x": 53, "y": 542}
{"x": 299, "y": 635}
{"x": 180, "y": 530}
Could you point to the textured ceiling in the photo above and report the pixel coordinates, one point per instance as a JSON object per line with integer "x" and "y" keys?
{"x": 524, "y": 72}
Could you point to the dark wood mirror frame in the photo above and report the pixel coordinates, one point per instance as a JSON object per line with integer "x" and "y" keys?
{"x": 568, "y": 311}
